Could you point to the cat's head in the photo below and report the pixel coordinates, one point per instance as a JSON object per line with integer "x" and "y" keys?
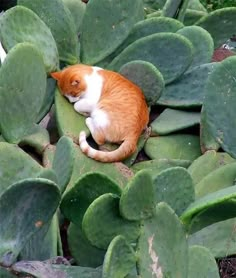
{"x": 71, "y": 81}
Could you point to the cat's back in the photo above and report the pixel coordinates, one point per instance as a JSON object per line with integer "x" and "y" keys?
{"x": 122, "y": 97}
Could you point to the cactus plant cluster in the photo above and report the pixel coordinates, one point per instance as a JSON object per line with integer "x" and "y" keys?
{"x": 164, "y": 212}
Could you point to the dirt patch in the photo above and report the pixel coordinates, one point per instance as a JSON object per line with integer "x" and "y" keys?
{"x": 227, "y": 267}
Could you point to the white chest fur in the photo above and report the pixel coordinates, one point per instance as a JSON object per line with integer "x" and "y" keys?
{"x": 94, "y": 83}
{"x": 90, "y": 97}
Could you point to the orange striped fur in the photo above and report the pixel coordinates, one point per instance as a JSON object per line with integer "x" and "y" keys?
{"x": 117, "y": 109}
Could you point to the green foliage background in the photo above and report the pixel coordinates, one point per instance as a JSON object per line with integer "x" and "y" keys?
{"x": 218, "y": 4}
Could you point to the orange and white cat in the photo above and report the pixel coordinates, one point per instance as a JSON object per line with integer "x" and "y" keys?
{"x": 117, "y": 109}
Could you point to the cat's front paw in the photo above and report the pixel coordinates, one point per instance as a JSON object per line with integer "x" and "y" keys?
{"x": 86, "y": 114}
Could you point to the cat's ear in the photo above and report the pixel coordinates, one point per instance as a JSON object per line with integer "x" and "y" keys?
{"x": 56, "y": 75}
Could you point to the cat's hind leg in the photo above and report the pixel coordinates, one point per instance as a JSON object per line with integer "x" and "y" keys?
{"x": 96, "y": 132}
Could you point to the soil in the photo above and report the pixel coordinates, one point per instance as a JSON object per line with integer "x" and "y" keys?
{"x": 227, "y": 267}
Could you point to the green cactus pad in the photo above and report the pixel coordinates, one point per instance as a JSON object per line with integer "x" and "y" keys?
{"x": 41, "y": 197}
{"x": 69, "y": 122}
{"x": 208, "y": 142}
{"x": 20, "y": 24}
{"x": 21, "y": 97}
{"x": 188, "y": 91}
{"x": 46, "y": 269}
{"x": 196, "y": 5}
{"x": 207, "y": 202}
{"x": 177, "y": 146}
{"x": 218, "y": 179}
{"x": 154, "y": 14}
{"x": 211, "y": 160}
{"x": 120, "y": 18}
{"x": 216, "y": 213}
{"x": 47, "y": 236}
{"x": 102, "y": 222}
{"x": 63, "y": 161}
{"x": 219, "y": 238}
{"x": 119, "y": 259}
{"x": 203, "y": 44}
{"x": 81, "y": 250}
{"x": 23, "y": 167}
{"x": 171, "y": 120}
{"x": 88, "y": 187}
{"x": 162, "y": 247}
{"x": 154, "y": 4}
{"x": 175, "y": 9}
{"x": 5, "y": 273}
{"x": 220, "y": 91}
{"x": 145, "y": 28}
{"x": 58, "y": 18}
{"x": 192, "y": 16}
{"x": 175, "y": 187}
{"x": 158, "y": 49}
{"x": 147, "y": 77}
{"x": 77, "y": 9}
{"x": 152, "y": 26}
{"x": 118, "y": 172}
{"x": 155, "y": 166}
{"x": 220, "y": 24}
{"x": 38, "y": 139}
{"x": 202, "y": 263}
{"x": 48, "y": 99}
{"x": 137, "y": 199}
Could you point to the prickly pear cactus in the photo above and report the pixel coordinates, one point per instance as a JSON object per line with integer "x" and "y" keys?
{"x": 102, "y": 222}
{"x": 201, "y": 259}
{"x": 13, "y": 172}
{"x": 220, "y": 178}
{"x": 77, "y": 9}
{"x": 81, "y": 249}
{"x": 220, "y": 24}
{"x": 137, "y": 199}
{"x": 158, "y": 49}
{"x": 119, "y": 260}
{"x": 162, "y": 247}
{"x": 188, "y": 91}
{"x": 64, "y": 153}
{"x": 58, "y": 18}
{"x": 21, "y": 97}
{"x": 176, "y": 146}
{"x": 120, "y": 18}
{"x": 175, "y": 187}
{"x": 220, "y": 232}
{"x": 171, "y": 120}
{"x": 87, "y": 188}
{"x": 221, "y": 92}
{"x": 113, "y": 215}
{"x": 211, "y": 160}
{"x": 41, "y": 197}
{"x": 203, "y": 44}
{"x": 20, "y": 24}
{"x": 147, "y": 77}
{"x": 144, "y": 28}
{"x": 208, "y": 201}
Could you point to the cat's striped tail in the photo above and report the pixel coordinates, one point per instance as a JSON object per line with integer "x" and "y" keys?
{"x": 125, "y": 149}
